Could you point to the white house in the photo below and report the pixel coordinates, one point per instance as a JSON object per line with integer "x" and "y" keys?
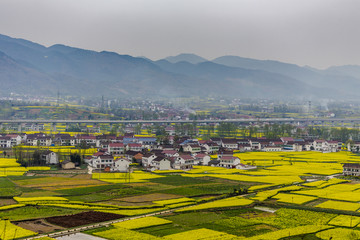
{"x": 102, "y": 161}
{"x": 320, "y": 145}
{"x": 354, "y": 147}
{"x": 147, "y": 158}
{"x": 38, "y": 140}
{"x": 271, "y": 149}
{"x": 255, "y": 145}
{"x": 15, "y": 139}
{"x": 229, "y": 143}
{"x": 50, "y": 157}
{"x": 160, "y": 163}
{"x": 229, "y": 161}
{"x": 184, "y": 161}
{"x": 192, "y": 147}
{"x": 5, "y": 142}
{"x": 211, "y": 147}
{"x": 334, "y": 146}
{"x": 90, "y": 140}
{"x": 244, "y": 147}
{"x": 202, "y": 159}
{"x": 121, "y": 165}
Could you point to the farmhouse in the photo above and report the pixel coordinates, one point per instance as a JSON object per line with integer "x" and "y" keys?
{"x": 160, "y": 163}
{"x": 116, "y": 148}
{"x": 5, "y": 142}
{"x": 192, "y": 147}
{"x": 228, "y": 161}
{"x": 121, "y": 165}
{"x": 184, "y": 161}
{"x": 272, "y": 149}
{"x": 50, "y": 157}
{"x": 211, "y": 147}
{"x": 351, "y": 169}
{"x": 136, "y": 147}
{"x": 229, "y": 143}
{"x": 102, "y": 161}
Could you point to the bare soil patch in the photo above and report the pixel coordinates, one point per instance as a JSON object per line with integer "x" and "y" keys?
{"x": 4, "y": 202}
{"x": 82, "y": 176}
{"x": 39, "y": 225}
{"x": 83, "y": 218}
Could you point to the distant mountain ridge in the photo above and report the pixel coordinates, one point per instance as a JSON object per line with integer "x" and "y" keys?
{"x": 30, "y": 68}
{"x": 186, "y": 57}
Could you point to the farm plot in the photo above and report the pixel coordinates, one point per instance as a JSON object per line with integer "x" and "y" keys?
{"x": 290, "y": 232}
{"x": 8, "y": 188}
{"x": 117, "y": 233}
{"x": 345, "y": 221}
{"x": 345, "y": 206}
{"x": 32, "y": 212}
{"x": 83, "y": 218}
{"x": 201, "y": 234}
{"x": 56, "y": 183}
{"x": 339, "y": 234}
{"x": 262, "y": 196}
{"x": 323, "y": 184}
{"x": 11, "y": 231}
{"x": 274, "y": 180}
{"x": 136, "y": 176}
{"x": 244, "y": 223}
{"x": 223, "y": 203}
{"x": 346, "y": 192}
{"x": 142, "y": 223}
{"x": 293, "y": 198}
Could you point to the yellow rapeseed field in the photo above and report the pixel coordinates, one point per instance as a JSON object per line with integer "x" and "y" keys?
{"x": 222, "y": 203}
{"x": 345, "y": 221}
{"x": 142, "y": 222}
{"x": 346, "y": 206}
{"x": 293, "y": 198}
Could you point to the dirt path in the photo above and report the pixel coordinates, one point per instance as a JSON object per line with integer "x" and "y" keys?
{"x": 40, "y": 226}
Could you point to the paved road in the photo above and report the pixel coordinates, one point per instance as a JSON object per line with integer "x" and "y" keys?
{"x": 240, "y": 120}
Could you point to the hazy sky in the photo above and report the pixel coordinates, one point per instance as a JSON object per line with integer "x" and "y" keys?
{"x": 318, "y": 33}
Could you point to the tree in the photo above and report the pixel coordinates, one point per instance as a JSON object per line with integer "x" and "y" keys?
{"x": 114, "y": 129}
{"x": 137, "y": 128}
{"x": 75, "y": 158}
{"x": 226, "y": 129}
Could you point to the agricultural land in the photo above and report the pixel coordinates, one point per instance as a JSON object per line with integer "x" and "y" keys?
{"x": 303, "y": 198}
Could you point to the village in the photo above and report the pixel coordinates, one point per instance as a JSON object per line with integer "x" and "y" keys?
{"x": 114, "y": 153}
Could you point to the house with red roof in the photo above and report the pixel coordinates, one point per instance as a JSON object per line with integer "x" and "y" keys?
{"x": 184, "y": 161}
{"x": 116, "y": 148}
{"x": 136, "y": 147}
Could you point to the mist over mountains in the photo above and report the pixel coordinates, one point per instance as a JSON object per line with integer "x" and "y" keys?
{"x": 30, "y": 68}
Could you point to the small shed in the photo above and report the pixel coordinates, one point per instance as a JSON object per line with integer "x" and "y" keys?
{"x": 67, "y": 165}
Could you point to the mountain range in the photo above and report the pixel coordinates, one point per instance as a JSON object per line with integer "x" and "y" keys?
{"x": 30, "y": 68}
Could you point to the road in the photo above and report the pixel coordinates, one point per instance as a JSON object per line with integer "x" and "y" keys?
{"x": 240, "y": 120}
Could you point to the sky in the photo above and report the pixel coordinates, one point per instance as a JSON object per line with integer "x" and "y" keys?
{"x": 317, "y": 33}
